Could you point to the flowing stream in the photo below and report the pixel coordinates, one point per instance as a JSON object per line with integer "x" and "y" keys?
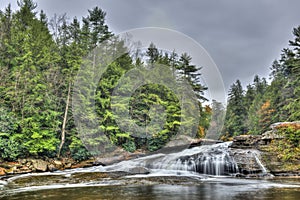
{"x": 205, "y": 172}
{"x": 207, "y": 159}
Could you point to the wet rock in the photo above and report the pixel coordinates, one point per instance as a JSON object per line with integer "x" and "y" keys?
{"x": 39, "y": 165}
{"x": 246, "y": 160}
{"x": 239, "y": 175}
{"x": 139, "y": 170}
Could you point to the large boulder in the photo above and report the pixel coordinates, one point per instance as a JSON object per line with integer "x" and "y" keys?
{"x": 39, "y": 165}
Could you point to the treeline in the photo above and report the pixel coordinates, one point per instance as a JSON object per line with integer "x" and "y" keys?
{"x": 39, "y": 61}
{"x": 253, "y": 110}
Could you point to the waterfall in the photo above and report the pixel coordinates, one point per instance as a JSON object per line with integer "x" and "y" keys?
{"x": 262, "y": 167}
{"x": 217, "y": 159}
{"x": 207, "y": 159}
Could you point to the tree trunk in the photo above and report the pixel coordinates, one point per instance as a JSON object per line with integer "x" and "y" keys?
{"x": 63, "y": 131}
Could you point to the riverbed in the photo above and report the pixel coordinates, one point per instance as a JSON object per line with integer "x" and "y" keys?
{"x": 206, "y": 172}
{"x": 162, "y": 188}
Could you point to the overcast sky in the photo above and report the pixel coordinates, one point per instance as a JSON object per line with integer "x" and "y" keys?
{"x": 242, "y": 37}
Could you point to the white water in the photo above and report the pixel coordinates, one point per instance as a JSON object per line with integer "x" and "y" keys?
{"x": 262, "y": 167}
{"x": 203, "y": 160}
{"x": 196, "y": 164}
{"x": 207, "y": 159}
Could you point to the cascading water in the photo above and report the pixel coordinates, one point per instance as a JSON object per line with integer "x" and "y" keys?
{"x": 262, "y": 167}
{"x": 217, "y": 159}
{"x": 207, "y": 159}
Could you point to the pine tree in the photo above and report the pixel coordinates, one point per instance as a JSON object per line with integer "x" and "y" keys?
{"x": 236, "y": 111}
{"x": 192, "y": 74}
{"x": 152, "y": 53}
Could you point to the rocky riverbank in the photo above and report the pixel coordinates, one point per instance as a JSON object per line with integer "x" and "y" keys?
{"x": 30, "y": 165}
{"x": 268, "y": 148}
{"x": 255, "y": 155}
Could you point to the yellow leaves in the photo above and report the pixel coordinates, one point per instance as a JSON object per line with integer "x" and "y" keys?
{"x": 201, "y": 132}
{"x": 265, "y": 108}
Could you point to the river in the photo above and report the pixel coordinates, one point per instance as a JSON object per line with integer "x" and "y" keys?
{"x": 206, "y": 172}
{"x": 209, "y": 188}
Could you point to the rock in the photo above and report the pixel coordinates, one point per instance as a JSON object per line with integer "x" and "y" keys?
{"x": 269, "y": 136}
{"x": 139, "y": 170}
{"x": 84, "y": 164}
{"x": 68, "y": 165}
{"x": 246, "y": 141}
{"x": 276, "y": 125}
{"x": 2, "y": 171}
{"x": 52, "y": 168}
{"x": 181, "y": 140}
{"x": 40, "y": 165}
{"x": 199, "y": 142}
{"x": 23, "y": 170}
{"x": 109, "y": 160}
{"x": 28, "y": 164}
{"x": 22, "y": 161}
{"x": 7, "y": 165}
{"x": 58, "y": 164}
{"x": 246, "y": 159}
{"x": 11, "y": 170}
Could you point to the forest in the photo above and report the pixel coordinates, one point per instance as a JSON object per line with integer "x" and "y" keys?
{"x": 39, "y": 61}
{"x": 253, "y": 110}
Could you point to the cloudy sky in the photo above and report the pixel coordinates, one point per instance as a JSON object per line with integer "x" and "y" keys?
{"x": 242, "y": 37}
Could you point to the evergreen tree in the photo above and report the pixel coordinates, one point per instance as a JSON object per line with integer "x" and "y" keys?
{"x": 152, "y": 53}
{"x": 236, "y": 111}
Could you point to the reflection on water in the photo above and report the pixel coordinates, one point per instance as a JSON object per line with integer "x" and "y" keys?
{"x": 225, "y": 189}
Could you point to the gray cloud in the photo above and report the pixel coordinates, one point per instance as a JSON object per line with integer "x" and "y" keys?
{"x": 243, "y": 37}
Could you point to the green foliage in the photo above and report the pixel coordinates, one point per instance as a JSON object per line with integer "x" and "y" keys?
{"x": 265, "y": 104}
{"x": 291, "y": 133}
{"x": 77, "y": 150}
{"x": 11, "y": 146}
{"x": 10, "y": 149}
{"x": 129, "y": 145}
{"x": 288, "y": 148}
{"x": 39, "y": 61}
{"x": 236, "y": 111}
